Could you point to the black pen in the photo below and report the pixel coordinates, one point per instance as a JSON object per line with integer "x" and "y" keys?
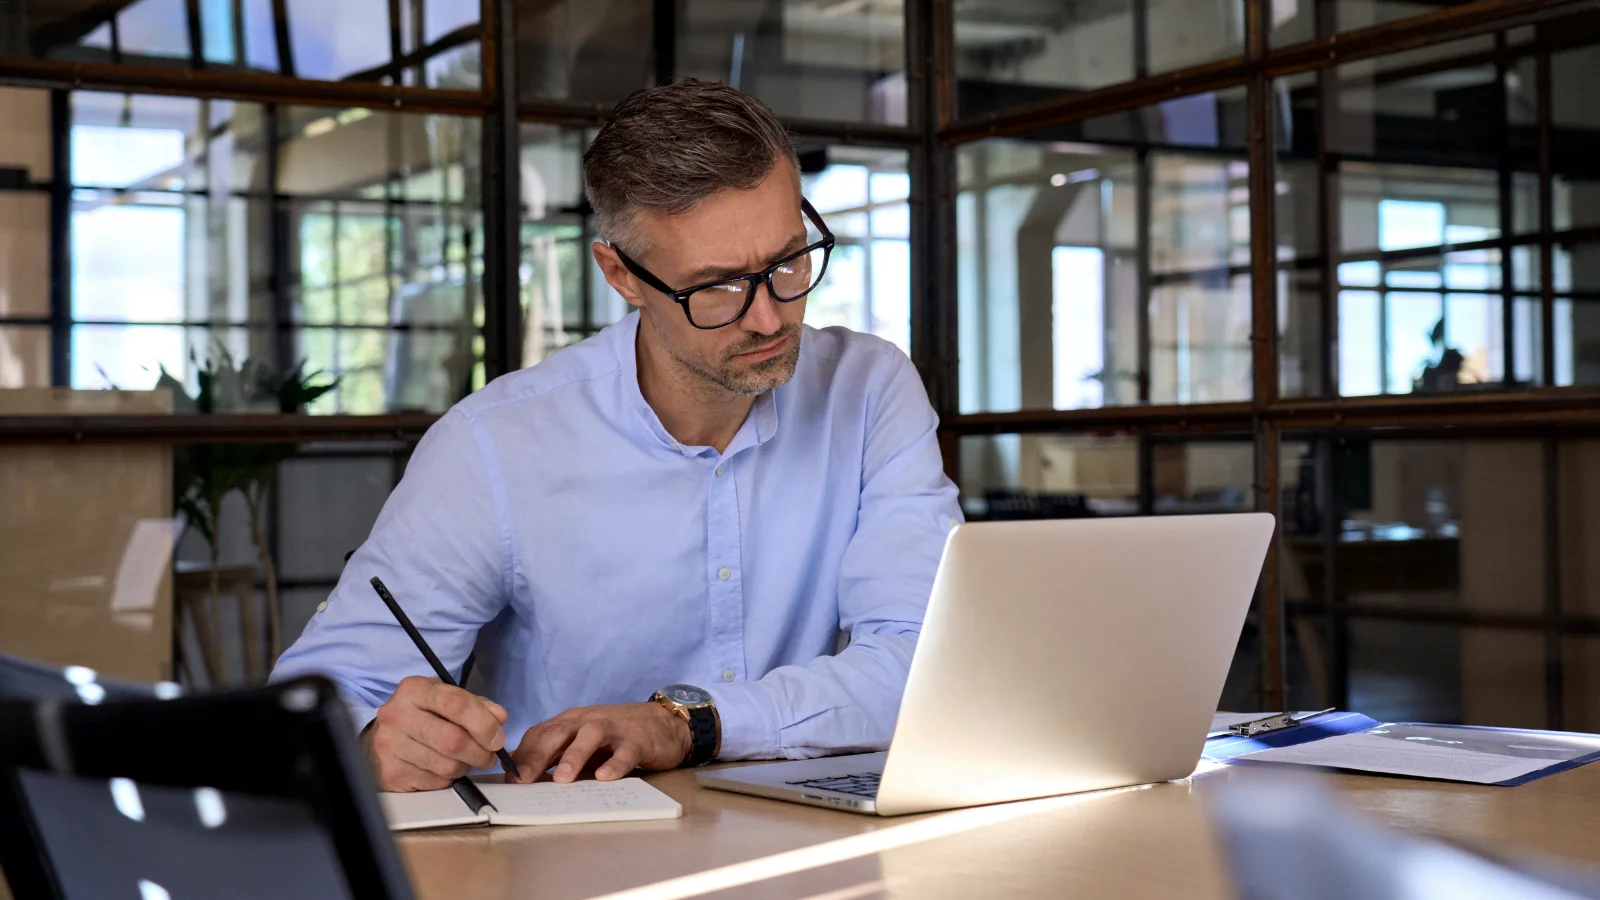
{"x": 438, "y": 667}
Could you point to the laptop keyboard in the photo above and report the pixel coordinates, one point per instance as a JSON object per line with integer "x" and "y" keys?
{"x": 862, "y": 785}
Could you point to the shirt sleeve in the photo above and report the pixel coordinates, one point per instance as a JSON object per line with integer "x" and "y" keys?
{"x": 850, "y": 701}
{"x": 439, "y": 545}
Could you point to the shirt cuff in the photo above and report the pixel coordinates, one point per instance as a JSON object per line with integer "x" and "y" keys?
{"x": 749, "y": 721}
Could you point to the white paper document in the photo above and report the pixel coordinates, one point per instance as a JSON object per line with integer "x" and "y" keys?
{"x": 1434, "y": 751}
{"x": 542, "y": 803}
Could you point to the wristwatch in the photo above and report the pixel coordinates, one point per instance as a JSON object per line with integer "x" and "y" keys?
{"x": 694, "y": 706}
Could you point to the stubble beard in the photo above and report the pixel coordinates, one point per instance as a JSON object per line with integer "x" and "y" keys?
{"x": 747, "y": 380}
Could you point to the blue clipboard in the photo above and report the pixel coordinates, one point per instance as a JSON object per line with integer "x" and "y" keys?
{"x": 1311, "y": 728}
{"x": 1226, "y": 748}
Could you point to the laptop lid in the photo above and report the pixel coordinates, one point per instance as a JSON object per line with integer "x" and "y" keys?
{"x": 1070, "y": 655}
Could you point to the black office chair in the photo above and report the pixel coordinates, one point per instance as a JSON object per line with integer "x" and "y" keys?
{"x": 29, "y": 680}
{"x": 258, "y": 793}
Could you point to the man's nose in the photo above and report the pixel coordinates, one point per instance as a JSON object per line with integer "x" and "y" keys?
{"x": 762, "y": 317}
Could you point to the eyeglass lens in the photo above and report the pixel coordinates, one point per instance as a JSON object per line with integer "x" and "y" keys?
{"x": 721, "y": 303}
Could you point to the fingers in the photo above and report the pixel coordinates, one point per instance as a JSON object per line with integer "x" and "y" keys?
{"x": 401, "y": 763}
{"x": 542, "y": 745}
{"x": 480, "y": 718}
{"x": 590, "y": 737}
{"x": 623, "y": 760}
{"x": 448, "y": 739}
{"x": 402, "y": 714}
{"x": 415, "y": 753}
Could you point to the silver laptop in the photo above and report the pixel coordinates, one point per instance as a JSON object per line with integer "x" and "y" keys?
{"x": 1056, "y": 657}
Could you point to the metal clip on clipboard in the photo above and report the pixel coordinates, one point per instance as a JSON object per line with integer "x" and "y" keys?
{"x": 1271, "y": 723}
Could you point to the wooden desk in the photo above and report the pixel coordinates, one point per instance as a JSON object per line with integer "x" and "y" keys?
{"x": 1147, "y": 842}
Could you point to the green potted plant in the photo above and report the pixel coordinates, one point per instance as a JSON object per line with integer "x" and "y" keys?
{"x": 205, "y": 474}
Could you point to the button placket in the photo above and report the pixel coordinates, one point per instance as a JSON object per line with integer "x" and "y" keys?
{"x": 726, "y": 593}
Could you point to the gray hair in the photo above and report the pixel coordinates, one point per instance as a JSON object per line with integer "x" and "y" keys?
{"x": 667, "y": 148}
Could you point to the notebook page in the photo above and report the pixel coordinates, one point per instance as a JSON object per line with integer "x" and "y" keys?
{"x": 428, "y": 809}
{"x": 548, "y": 803}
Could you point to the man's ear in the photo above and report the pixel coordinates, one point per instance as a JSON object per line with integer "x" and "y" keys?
{"x": 617, "y": 275}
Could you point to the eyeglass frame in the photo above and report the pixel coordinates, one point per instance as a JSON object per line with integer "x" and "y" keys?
{"x": 754, "y": 279}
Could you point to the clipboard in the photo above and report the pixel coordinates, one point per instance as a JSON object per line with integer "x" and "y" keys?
{"x": 1281, "y": 731}
{"x": 1298, "y": 731}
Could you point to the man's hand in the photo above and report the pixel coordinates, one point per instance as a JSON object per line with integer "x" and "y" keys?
{"x": 429, "y": 734}
{"x": 621, "y": 737}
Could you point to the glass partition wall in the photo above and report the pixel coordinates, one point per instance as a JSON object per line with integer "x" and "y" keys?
{"x": 1334, "y": 260}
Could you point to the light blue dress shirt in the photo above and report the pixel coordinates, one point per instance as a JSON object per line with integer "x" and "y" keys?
{"x": 551, "y": 519}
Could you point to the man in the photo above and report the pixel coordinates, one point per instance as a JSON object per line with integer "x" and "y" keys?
{"x": 705, "y": 494}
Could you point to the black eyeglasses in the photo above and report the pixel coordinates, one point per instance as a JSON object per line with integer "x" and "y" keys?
{"x": 724, "y": 302}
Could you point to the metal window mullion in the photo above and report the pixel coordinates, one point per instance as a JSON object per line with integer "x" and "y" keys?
{"x": 1554, "y": 651}
{"x": 501, "y": 188}
{"x": 1505, "y": 186}
{"x": 60, "y": 260}
{"x": 1546, "y": 136}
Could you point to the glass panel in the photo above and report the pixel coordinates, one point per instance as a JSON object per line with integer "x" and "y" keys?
{"x": 1047, "y": 476}
{"x": 1200, "y": 298}
{"x": 1577, "y": 313}
{"x": 1576, "y": 187}
{"x": 1301, "y": 346}
{"x": 350, "y": 39}
{"x": 84, "y": 564}
{"x": 1417, "y": 672}
{"x": 102, "y": 568}
{"x": 24, "y": 358}
{"x": 389, "y": 370}
{"x": 333, "y": 40}
{"x": 381, "y": 235}
{"x": 555, "y": 246}
{"x": 25, "y": 141}
{"x": 1429, "y": 155}
{"x": 862, "y": 195}
{"x": 1579, "y": 527}
{"x": 1415, "y": 524}
{"x": 1581, "y": 684}
{"x": 584, "y": 52}
{"x": 24, "y": 254}
{"x": 1410, "y": 529}
{"x": 153, "y": 28}
{"x": 1194, "y": 476}
{"x": 1573, "y": 119}
{"x": 1048, "y": 261}
{"x": 314, "y": 535}
{"x": 814, "y": 59}
{"x": 1295, "y": 20}
{"x": 1014, "y": 52}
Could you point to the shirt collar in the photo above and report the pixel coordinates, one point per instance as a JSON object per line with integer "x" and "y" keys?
{"x": 624, "y": 337}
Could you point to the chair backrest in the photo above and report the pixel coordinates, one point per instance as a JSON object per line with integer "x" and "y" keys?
{"x": 251, "y": 793}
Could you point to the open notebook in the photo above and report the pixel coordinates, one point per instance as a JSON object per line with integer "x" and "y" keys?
{"x": 542, "y": 803}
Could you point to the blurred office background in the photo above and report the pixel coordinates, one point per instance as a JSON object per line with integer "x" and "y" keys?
{"x": 1337, "y": 259}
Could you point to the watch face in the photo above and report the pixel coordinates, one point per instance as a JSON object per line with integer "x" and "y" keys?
{"x": 687, "y": 694}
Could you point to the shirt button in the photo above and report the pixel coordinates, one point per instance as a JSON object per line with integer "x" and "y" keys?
{"x": 728, "y": 675}
{"x": 950, "y": 523}
{"x": 322, "y": 606}
{"x": 724, "y": 573}
{"x": 719, "y": 471}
